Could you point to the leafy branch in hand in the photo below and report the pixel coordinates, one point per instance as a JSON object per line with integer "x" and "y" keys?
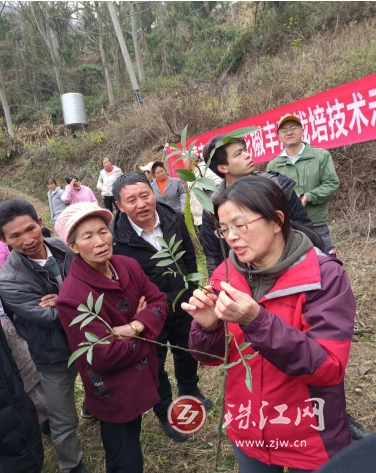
{"x": 197, "y": 185}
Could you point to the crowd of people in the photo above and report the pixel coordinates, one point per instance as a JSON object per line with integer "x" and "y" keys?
{"x": 283, "y": 292}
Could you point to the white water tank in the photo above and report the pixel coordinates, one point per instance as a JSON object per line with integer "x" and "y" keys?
{"x": 73, "y": 109}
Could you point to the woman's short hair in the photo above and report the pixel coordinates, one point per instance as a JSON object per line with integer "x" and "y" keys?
{"x": 262, "y": 196}
{"x": 157, "y": 164}
{"x": 51, "y": 180}
{"x": 70, "y": 178}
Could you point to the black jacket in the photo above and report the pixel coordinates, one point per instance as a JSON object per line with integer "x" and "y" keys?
{"x": 21, "y": 449}
{"x": 210, "y": 241}
{"x": 22, "y": 285}
{"x": 128, "y": 243}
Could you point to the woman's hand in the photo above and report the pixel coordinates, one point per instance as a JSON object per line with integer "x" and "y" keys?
{"x": 201, "y": 307}
{"x": 129, "y": 331}
{"x": 239, "y": 309}
{"x": 142, "y": 304}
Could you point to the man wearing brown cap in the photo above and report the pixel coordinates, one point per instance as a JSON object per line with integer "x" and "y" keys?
{"x": 313, "y": 171}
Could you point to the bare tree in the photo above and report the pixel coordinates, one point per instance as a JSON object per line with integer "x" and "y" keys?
{"x": 124, "y": 49}
{"x": 136, "y": 43}
{"x": 4, "y": 102}
{"x": 106, "y": 70}
{"x": 42, "y": 20}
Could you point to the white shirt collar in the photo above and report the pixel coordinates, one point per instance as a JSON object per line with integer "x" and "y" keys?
{"x": 138, "y": 229}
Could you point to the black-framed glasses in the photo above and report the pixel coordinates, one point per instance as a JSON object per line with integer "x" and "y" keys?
{"x": 293, "y": 128}
{"x": 237, "y": 229}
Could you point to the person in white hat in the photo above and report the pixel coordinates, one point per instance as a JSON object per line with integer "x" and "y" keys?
{"x": 147, "y": 170}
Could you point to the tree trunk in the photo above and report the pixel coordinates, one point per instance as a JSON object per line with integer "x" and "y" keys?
{"x": 136, "y": 43}
{"x": 107, "y": 76}
{"x": 123, "y": 46}
{"x": 4, "y": 101}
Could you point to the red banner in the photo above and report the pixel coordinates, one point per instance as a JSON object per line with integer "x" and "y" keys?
{"x": 337, "y": 117}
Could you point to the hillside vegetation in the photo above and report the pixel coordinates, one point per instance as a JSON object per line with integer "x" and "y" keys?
{"x": 207, "y": 64}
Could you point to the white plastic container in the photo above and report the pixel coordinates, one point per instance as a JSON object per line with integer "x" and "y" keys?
{"x": 73, "y": 109}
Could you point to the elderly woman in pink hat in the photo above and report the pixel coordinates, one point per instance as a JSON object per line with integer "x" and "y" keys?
{"x": 121, "y": 382}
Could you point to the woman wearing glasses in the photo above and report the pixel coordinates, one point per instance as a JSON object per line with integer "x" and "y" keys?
{"x": 294, "y": 306}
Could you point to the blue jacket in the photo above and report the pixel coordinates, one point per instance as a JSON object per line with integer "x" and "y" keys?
{"x": 22, "y": 285}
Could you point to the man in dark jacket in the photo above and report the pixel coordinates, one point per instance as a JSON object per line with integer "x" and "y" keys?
{"x": 21, "y": 449}
{"x": 29, "y": 285}
{"x": 139, "y": 220}
{"x": 230, "y": 162}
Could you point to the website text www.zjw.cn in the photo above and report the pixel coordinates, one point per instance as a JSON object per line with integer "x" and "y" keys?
{"x": 274, "y": 444}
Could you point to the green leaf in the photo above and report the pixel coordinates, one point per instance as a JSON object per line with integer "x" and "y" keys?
{"x": 172, "y": 241}
{"x": 186, "y": 175}
{"x": 176, "y": 153}
{"x": 76, "y": 354}
{"x": 87, "y": 321}
{"x": 90, "y": 301}
{"x": 248, "y": 376}
{"x": 204, "y": 199}
{"x": 179, "y": 158}
{"x": 83, "y": 344}
{"x": 249, "y": 357}
{"x": 91, "y": 337}
{"x": 243, "y": 346}
{"x": 174, "y": 146}
{"x": 162, "y": 242}
{"x": 239, "y": 133}
{"x": 230, "y": 365}
{"x": 175, "y": 247}
{"x": 190, "y": 148}
{"x": 170, "y": 271}
{"x": 104, "y": 342}
{"x": 165, "y": 262}
{"x": 79, "y": 318}
{"x": 183, "y": 139}
{"x": 89, "y": 355}
{"x": 207, "y": 183}
{"x": 194, "y": 277}
{"x": 161, "y": 254}
{"x": 188, "y": 215}
{"x": 179, "y": 255}
{"x": 82, "y": 308}
{"x": 177, "y": 298}
{"x": 98, "y": 304}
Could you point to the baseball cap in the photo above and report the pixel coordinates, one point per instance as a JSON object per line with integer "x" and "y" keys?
{"x": 75, "y": 213}
{"x": 286, "y": 118}
{"x": 147, "y": 167}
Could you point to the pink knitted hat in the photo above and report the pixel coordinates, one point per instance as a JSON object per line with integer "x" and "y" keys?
{"x": 75, "y": 213}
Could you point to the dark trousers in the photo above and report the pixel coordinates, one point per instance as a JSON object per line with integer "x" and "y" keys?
{"x": 109, "y": 202}
{"x": 121, "y": 443}
{"x": 176, "y": 332}
{"x": 247, "y": 464}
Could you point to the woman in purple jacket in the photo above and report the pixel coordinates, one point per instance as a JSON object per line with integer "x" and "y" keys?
{"x": 121, "y": 380}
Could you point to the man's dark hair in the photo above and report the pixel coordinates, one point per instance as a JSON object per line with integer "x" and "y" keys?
{"x": 13, "y": 208}
{"x": 128, "y": 180}
{"x": 220, "y": 155}
{"x": 51, "y": 180}
{"x": 157, "y": 164}
{"x": 70, "y": 178}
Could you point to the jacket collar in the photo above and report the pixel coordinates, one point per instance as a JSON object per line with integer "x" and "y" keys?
{"x": 87, "y": 274}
